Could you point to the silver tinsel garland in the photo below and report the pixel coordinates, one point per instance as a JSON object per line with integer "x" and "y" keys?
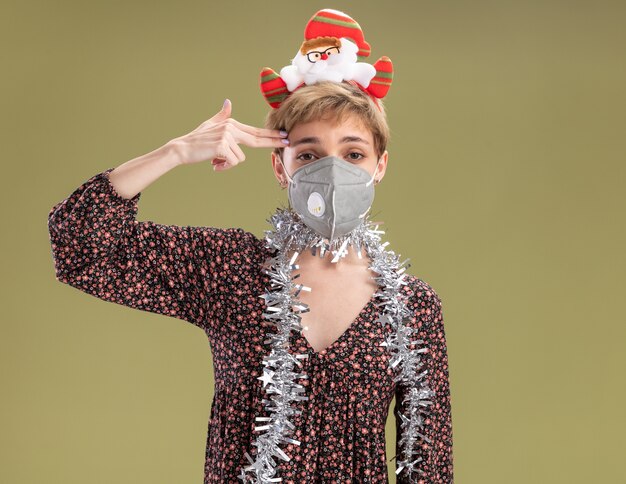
{"x": 281, "y": 370}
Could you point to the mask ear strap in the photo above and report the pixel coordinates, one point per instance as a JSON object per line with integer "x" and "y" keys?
{"x": 285, "y": 169}
{"x": 374, "y": 175}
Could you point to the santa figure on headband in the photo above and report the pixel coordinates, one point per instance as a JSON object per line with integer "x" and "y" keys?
{"x": 333, "y": 48}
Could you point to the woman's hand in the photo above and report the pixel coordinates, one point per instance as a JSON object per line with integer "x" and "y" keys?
{"x": 217, "y": 139}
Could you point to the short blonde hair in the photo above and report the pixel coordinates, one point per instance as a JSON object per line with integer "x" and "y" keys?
{"x": 331, "y": 100}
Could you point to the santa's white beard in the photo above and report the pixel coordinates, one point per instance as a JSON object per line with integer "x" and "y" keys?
{"x": 318, "y": 67}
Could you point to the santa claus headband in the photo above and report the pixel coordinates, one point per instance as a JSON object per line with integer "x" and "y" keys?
{"x": 333, "y": 50}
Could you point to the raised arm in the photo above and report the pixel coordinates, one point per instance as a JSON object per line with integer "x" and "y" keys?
{"x": 435, "y": 437}
{"x": 99, "y": 247}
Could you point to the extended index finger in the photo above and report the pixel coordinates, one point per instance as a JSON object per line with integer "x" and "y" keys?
{"x": 259, "y": 141}
{"x": 260, "y": 132}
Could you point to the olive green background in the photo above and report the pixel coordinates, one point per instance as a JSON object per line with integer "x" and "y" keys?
{"x": 505, "y": 188}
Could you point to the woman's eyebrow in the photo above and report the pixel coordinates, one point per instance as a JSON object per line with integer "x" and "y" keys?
{"x": 316, "y": 140}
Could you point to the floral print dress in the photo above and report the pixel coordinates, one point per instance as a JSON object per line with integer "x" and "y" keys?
{"x": 213, "y": 278}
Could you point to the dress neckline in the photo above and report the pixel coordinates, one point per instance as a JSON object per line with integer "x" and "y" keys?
{"x": 351, "y": 327}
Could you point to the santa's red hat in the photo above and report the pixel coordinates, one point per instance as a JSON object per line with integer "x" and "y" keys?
{"x": 333, "y": 23}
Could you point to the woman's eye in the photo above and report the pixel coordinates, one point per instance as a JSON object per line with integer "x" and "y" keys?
{"x": 305, "y": 154}
{"x": 355, "y": 153}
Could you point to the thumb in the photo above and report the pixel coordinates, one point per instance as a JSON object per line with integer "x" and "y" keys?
{"x": 226, "y": 110}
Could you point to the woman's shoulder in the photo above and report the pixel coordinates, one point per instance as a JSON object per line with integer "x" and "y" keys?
{"x": 420, "y": 288}
{"x": 422, "y": 296}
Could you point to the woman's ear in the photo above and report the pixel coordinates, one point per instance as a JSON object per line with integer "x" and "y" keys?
{"x": 382, "y": 166}
{"x": 279, "y": 170}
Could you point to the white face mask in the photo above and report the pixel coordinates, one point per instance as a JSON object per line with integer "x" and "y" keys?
{"x": 331, "y": 195}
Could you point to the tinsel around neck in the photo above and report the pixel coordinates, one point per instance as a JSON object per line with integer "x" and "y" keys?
{"x": 289, "y": 233}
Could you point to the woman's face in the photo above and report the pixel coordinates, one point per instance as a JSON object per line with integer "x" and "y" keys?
{"x": 309, "y": 142}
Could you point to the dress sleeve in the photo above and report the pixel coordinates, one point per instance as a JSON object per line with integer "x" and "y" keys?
{"x": 100, "y": 248}
{"x": 434, "y": 446}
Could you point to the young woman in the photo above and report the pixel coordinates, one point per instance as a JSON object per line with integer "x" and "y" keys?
{"x": 313, "y": 329}
{"x": 213, "y": 277}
